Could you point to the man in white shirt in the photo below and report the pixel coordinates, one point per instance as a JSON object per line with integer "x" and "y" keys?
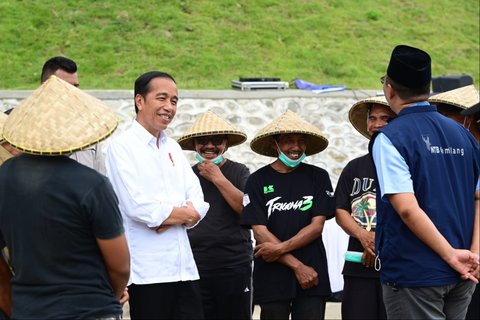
{"x": 160, "y": 198}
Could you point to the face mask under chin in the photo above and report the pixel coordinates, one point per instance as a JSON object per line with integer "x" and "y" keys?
{"x": 216, "y": 160}
{"x": 287, "y": 161}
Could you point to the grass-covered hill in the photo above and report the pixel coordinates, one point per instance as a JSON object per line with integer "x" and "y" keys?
{"x": 206, "y": 44}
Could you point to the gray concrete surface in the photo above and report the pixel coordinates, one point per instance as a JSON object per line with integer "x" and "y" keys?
{"x": 332, "y": 312}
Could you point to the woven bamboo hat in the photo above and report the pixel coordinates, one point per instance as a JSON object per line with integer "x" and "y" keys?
{"x": 473, "y": 110}
{"x": 289, "y": 122}
{"x": 3, "y": 118}
{"x": 461, "y": 98}
{"x": 359, "y": 111}
{"x": 4, "y": 154}
{"x": 58, "y": 118}
{"x": 209, "y": 124}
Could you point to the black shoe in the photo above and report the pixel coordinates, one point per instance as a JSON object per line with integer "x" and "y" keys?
{"x": 335, "y": 297}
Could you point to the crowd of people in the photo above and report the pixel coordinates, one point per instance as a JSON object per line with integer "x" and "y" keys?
{"x": 82, "y": 234}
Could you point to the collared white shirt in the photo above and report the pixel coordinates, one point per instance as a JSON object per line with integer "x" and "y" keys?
{"x": 149, "y": 181}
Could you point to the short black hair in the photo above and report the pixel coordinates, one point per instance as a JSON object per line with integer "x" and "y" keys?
{"x": 56, "y": 63}
{"x": 409, "y": 93}
{"x": 142, "y": 84}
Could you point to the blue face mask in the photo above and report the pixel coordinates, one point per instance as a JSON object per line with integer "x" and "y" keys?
{"x": 216, "y": 160}
{"x": 287, "y": 161}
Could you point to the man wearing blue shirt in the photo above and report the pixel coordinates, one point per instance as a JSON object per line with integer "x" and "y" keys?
{"x": 427, "y": 165}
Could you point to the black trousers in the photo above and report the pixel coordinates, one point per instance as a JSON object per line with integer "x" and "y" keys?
{"x": 227, "y": 294}
{"x": 362, "y": 299}
{"x": 172, "y": 300}
{"x": 300, "y": 308}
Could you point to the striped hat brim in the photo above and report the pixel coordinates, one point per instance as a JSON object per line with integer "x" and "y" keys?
{"x": 461, "y": 98}
{"x": 470, "y": 111}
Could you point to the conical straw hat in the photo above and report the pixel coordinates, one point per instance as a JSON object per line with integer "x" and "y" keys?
{"x": 58, "y": 118}
{"x": 209, "y": 124}
{"x": 473, "y": 110}
{"x": 289, "y": 122}
{"x": 359, "y": 111}
{"x": 4, "y": 155}
{"x": 462, "y": 98}
{"x": 3, "y": 118}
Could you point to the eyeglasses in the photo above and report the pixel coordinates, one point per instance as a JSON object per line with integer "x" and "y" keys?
{"x": 382, "y": 79}
{"x": 215, "y": 140}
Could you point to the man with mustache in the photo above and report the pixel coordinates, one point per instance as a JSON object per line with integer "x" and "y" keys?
{"x": 221, "y": 246}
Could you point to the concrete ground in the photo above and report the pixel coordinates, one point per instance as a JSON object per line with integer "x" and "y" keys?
{"x": 332, "y": 312}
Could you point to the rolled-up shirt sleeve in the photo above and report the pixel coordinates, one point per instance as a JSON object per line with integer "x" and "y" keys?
{"x": 193, "y": 191}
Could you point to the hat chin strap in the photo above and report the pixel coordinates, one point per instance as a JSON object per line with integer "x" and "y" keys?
{"x": 465, "y": 121}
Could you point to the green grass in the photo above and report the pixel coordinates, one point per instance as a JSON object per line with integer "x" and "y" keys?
{"x": 206, "y": 44}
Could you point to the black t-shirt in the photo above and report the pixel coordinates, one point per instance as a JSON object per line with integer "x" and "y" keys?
{"x": 286, "y": 203}
{"x": 52, "y": 209}
{"x": 219, "y": 241}
{"x": 355, "y": 193}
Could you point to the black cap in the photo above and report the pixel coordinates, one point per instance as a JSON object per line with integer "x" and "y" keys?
{"x": 410, "y": 67}
{"x": 471, "y": 110}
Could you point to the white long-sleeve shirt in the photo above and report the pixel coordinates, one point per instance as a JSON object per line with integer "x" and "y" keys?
{"x": 149, "y": 182}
